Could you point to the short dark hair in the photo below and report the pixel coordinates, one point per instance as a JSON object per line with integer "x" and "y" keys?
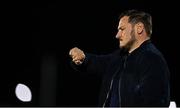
{"x": 136, "y": 16}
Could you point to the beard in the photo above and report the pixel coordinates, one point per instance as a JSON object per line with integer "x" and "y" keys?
{"x": 130, "y": 43}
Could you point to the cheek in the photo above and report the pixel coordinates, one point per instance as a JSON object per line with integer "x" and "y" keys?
{"x": 123, "y": 35}
{"x": 127, "y": 37}
{"x": 128, "y": 34}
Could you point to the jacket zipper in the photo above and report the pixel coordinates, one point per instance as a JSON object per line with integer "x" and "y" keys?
{"x": 112, "y": 80}
{"x": 119, "y": 87}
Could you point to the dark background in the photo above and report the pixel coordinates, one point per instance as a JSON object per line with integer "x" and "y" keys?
{"x": 39, "y": 34}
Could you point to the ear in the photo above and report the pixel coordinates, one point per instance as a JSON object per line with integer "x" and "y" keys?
{"x": 139, "y": 27}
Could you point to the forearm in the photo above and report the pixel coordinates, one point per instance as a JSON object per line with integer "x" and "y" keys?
{"x": 92, "y": 64}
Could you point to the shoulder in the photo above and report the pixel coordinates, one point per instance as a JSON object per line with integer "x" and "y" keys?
{"x": 151, "y": 52}
{"x": 153, "y": 58}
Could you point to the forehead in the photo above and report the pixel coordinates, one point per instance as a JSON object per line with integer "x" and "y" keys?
{"x": 123, "y": 21}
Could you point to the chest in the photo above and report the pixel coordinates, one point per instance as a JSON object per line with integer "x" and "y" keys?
{"x": 129, "y": 72}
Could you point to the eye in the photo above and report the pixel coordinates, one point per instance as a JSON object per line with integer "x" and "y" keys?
{"x": 122, "y": 29}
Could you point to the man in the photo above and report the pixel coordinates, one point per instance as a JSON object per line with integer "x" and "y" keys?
{"x": 136, "y": 74}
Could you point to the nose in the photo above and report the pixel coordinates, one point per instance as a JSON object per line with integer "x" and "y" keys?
{"x": 118, "y": 35}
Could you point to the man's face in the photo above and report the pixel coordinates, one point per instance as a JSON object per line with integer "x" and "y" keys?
{"x": 125, "y": 34}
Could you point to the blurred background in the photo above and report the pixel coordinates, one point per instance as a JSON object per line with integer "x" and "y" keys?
{"x": 39, "y": 34}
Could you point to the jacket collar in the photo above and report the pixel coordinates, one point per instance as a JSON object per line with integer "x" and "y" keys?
{"x": 142, "y": 46}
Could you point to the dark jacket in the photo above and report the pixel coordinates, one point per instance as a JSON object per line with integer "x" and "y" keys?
{"x": 144, "y": 75}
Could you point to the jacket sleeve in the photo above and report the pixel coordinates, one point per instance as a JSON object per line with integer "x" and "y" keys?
{"x": 154, "y": 83}
{"x": 93, "y": 64}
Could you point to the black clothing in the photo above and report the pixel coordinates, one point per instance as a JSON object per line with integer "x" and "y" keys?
{"x": 141, "y": 78}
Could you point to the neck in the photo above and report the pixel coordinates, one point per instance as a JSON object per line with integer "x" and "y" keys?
{"x": 136, "y": 44}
